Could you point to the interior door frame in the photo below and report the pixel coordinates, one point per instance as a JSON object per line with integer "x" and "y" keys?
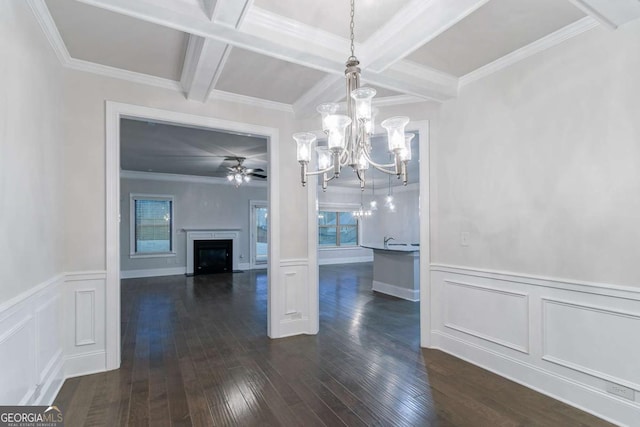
{"x": 422, "y": 128}
{"x": 114, "y": 112}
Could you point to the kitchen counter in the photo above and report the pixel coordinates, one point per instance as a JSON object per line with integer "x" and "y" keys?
{"x": 395, "y": 247}
{"x": 396, "y": 270}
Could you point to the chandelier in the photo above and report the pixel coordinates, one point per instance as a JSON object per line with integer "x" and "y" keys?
{"x": 349, "y": 136}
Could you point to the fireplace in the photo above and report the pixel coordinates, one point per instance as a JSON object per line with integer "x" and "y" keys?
{"x": 202, "y": 234}
{"x": 212, "y": 256}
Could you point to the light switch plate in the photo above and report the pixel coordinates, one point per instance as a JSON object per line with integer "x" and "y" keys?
{"x": 464, "y": 238}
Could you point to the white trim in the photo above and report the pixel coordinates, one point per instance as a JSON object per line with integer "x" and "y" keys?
{"x": 541, "y": 380}
{"x": 84, "y": 364}
{"x": 114, "y": 112}
{"x": 85, "y": 275}
{"x": 577, "y": 367}
{"x": 250, "y": 100}
{"x": 626, "y": 292}
{"x": 540, "y": 45}
{"x": 346, "y": 260}
{"x": 612, "y": 14}
{"x": 388, "y": 101}
{"x": 214, "y": 180}
{"x": 521, "y": 348}
{"x": 29, "y": 293}
{"x": 152, "y": 272}
{"x": 396, "y": 291}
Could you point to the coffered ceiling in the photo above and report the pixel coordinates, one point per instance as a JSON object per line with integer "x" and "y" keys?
{"x": 290, "y": 54}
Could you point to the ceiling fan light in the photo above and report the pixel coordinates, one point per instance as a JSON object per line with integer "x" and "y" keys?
{"x": 230, "y": 177}
{"x": 247, "y": 178}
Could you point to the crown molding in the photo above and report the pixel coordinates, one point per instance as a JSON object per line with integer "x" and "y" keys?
{"x": 540, "y": 45}
{"x": 193, "y": 179}
{"x": 48, "y": 25}
{"x": 119, "y": 73}
{"x": 250, "y": 100}
{"x": 396, "y": 100}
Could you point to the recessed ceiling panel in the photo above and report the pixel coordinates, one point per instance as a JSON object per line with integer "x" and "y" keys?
{"x": 97, "y": 35}
{"x": 333, "y": 15}
{"x": 167, "y": 148}
{"x": 260, "y": 76}
{"x": 494, "y": 30}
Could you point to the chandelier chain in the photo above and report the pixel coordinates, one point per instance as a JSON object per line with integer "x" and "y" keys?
{"x": 351, "y": 27}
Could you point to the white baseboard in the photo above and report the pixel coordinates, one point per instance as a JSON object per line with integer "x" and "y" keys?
{"x": 152, "y": 272}
{"x": 396, "y": 291}
{"x": 566, "y": 339}
{"x": 345, "y": 260}
{"x": 540, "y": 380}
{"x": 85, "y": 364}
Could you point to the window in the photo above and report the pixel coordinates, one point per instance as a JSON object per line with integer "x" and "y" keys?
{"x": 337, "y": 229}
{"x": 151, "y": 225}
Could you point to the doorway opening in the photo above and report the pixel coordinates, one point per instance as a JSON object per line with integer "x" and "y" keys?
{"x": 385, "y": 254}
{"x": 115, "y": 114}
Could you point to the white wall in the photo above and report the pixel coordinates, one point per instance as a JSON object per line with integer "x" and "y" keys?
{"x": 196, "y": 205}
{"x": 31, "y": 115}
{"x": 31, "y": 254}
{"x": 540, "y": 164}
{"x": 403, "y": 224}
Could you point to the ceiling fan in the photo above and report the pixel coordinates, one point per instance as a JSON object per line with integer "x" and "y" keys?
{"x": 239, "y": 173}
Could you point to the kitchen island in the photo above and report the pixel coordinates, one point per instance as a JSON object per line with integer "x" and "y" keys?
{"x": 396, "y": 270}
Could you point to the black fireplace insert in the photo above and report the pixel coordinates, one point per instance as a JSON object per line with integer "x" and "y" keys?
{"x": 212, "y": 256}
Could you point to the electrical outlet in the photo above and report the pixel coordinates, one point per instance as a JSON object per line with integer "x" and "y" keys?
{"x": 620, "y": 390}
{"x": 464, "y": 238}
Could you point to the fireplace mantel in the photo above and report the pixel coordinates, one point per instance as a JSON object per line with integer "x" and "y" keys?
{"x": 194, "y": 234}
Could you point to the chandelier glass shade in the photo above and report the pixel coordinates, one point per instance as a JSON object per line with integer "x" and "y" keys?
{"x": 349, "y": 135}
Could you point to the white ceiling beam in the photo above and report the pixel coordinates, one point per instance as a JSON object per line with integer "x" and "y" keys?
{"x": 203, "y": 63}
{"x": 205, "y": 57}
{"x": 328, "y": 89}
{"x": 231, "y": 12}
{"x": 414, "y": 25}
{"x": 209, "y": 7}
{"x": 193, "y": 21}
{"x": 611, "y": 13}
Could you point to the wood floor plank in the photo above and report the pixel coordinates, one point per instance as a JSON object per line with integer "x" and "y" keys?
{"x": 195, "y": 352}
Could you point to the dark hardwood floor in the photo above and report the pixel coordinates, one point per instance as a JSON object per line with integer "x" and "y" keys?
{"x": 195, "y": 352}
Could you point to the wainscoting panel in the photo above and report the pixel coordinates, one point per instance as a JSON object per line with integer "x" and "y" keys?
{"x": 30, "y": 345}
{"x": 293, "y": 288}
{"x": 488, "y": 313}
{"x": 84, "y": 323}
{"x": 574, "y": 335}
{"x": 572, "y": 341}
